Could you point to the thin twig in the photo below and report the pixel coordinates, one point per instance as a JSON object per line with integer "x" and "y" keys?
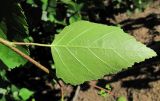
{"x": 76, "y": 93}
{"x": 9, "y": 44}
{"x": 34, "y": 44}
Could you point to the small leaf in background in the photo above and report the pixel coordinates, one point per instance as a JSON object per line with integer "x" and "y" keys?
{"x": 121, "y": 98}
{"x": 108, "y": 87}
{"x": 3, "y": 91}
{"x": 3, "y": 72}
{"x": 103, "y": 93}
{"x": 31, "y": 2}
{"x": 44, "y": 4}
{"x": 14, "y": 88}
{"x": 86, "y": 51}
{"x": 25, "y": 94}
{"x": 33, "y": 99}
{"x": 75, "y": 18}
{"x": 49, "y": 10}
{"x": 15, "y": 96}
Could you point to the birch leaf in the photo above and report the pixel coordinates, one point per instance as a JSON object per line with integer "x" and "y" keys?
{"x": 86, "y": 51}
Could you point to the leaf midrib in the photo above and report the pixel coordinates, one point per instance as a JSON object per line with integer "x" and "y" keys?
{"x": 68, "y": 46}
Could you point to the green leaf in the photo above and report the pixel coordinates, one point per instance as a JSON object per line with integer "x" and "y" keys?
{"x": 14, "y": 88}
{"x": 31, "y": 2}
{"x": 49, "y": 10}
{"x": 16, "y": 23}
{"x": 45, "y": 3}
{"x": 13, "y": 27}
{"x": 86, "y": 51}
{"x": 25, "y": 94}
{"x": 72, "y": 6}
{"x": 108, "y": 87}
{"x": 102, "y": 93}
{"x": 3, "y": 91}
{"x": 10, "y": 58}
{"x": 74, "y": 18}
{"x": 121, "y": 98}
{"x": 2, "y": 72}
{"x": 15, "y": 96}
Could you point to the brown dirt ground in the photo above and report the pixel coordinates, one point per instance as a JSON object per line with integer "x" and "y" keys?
{"x": 142, "y": 82}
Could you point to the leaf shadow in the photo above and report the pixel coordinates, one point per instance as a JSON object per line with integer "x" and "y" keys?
{"x": 101, "y": 11}
{"x": 50, "y": 95}
{"x": 3, "y": 81}
{"x": 149, "y": 21}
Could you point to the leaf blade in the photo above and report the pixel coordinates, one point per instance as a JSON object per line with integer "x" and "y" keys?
{"x": 13, "y": 27}
{"x": 90, "y": 50}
